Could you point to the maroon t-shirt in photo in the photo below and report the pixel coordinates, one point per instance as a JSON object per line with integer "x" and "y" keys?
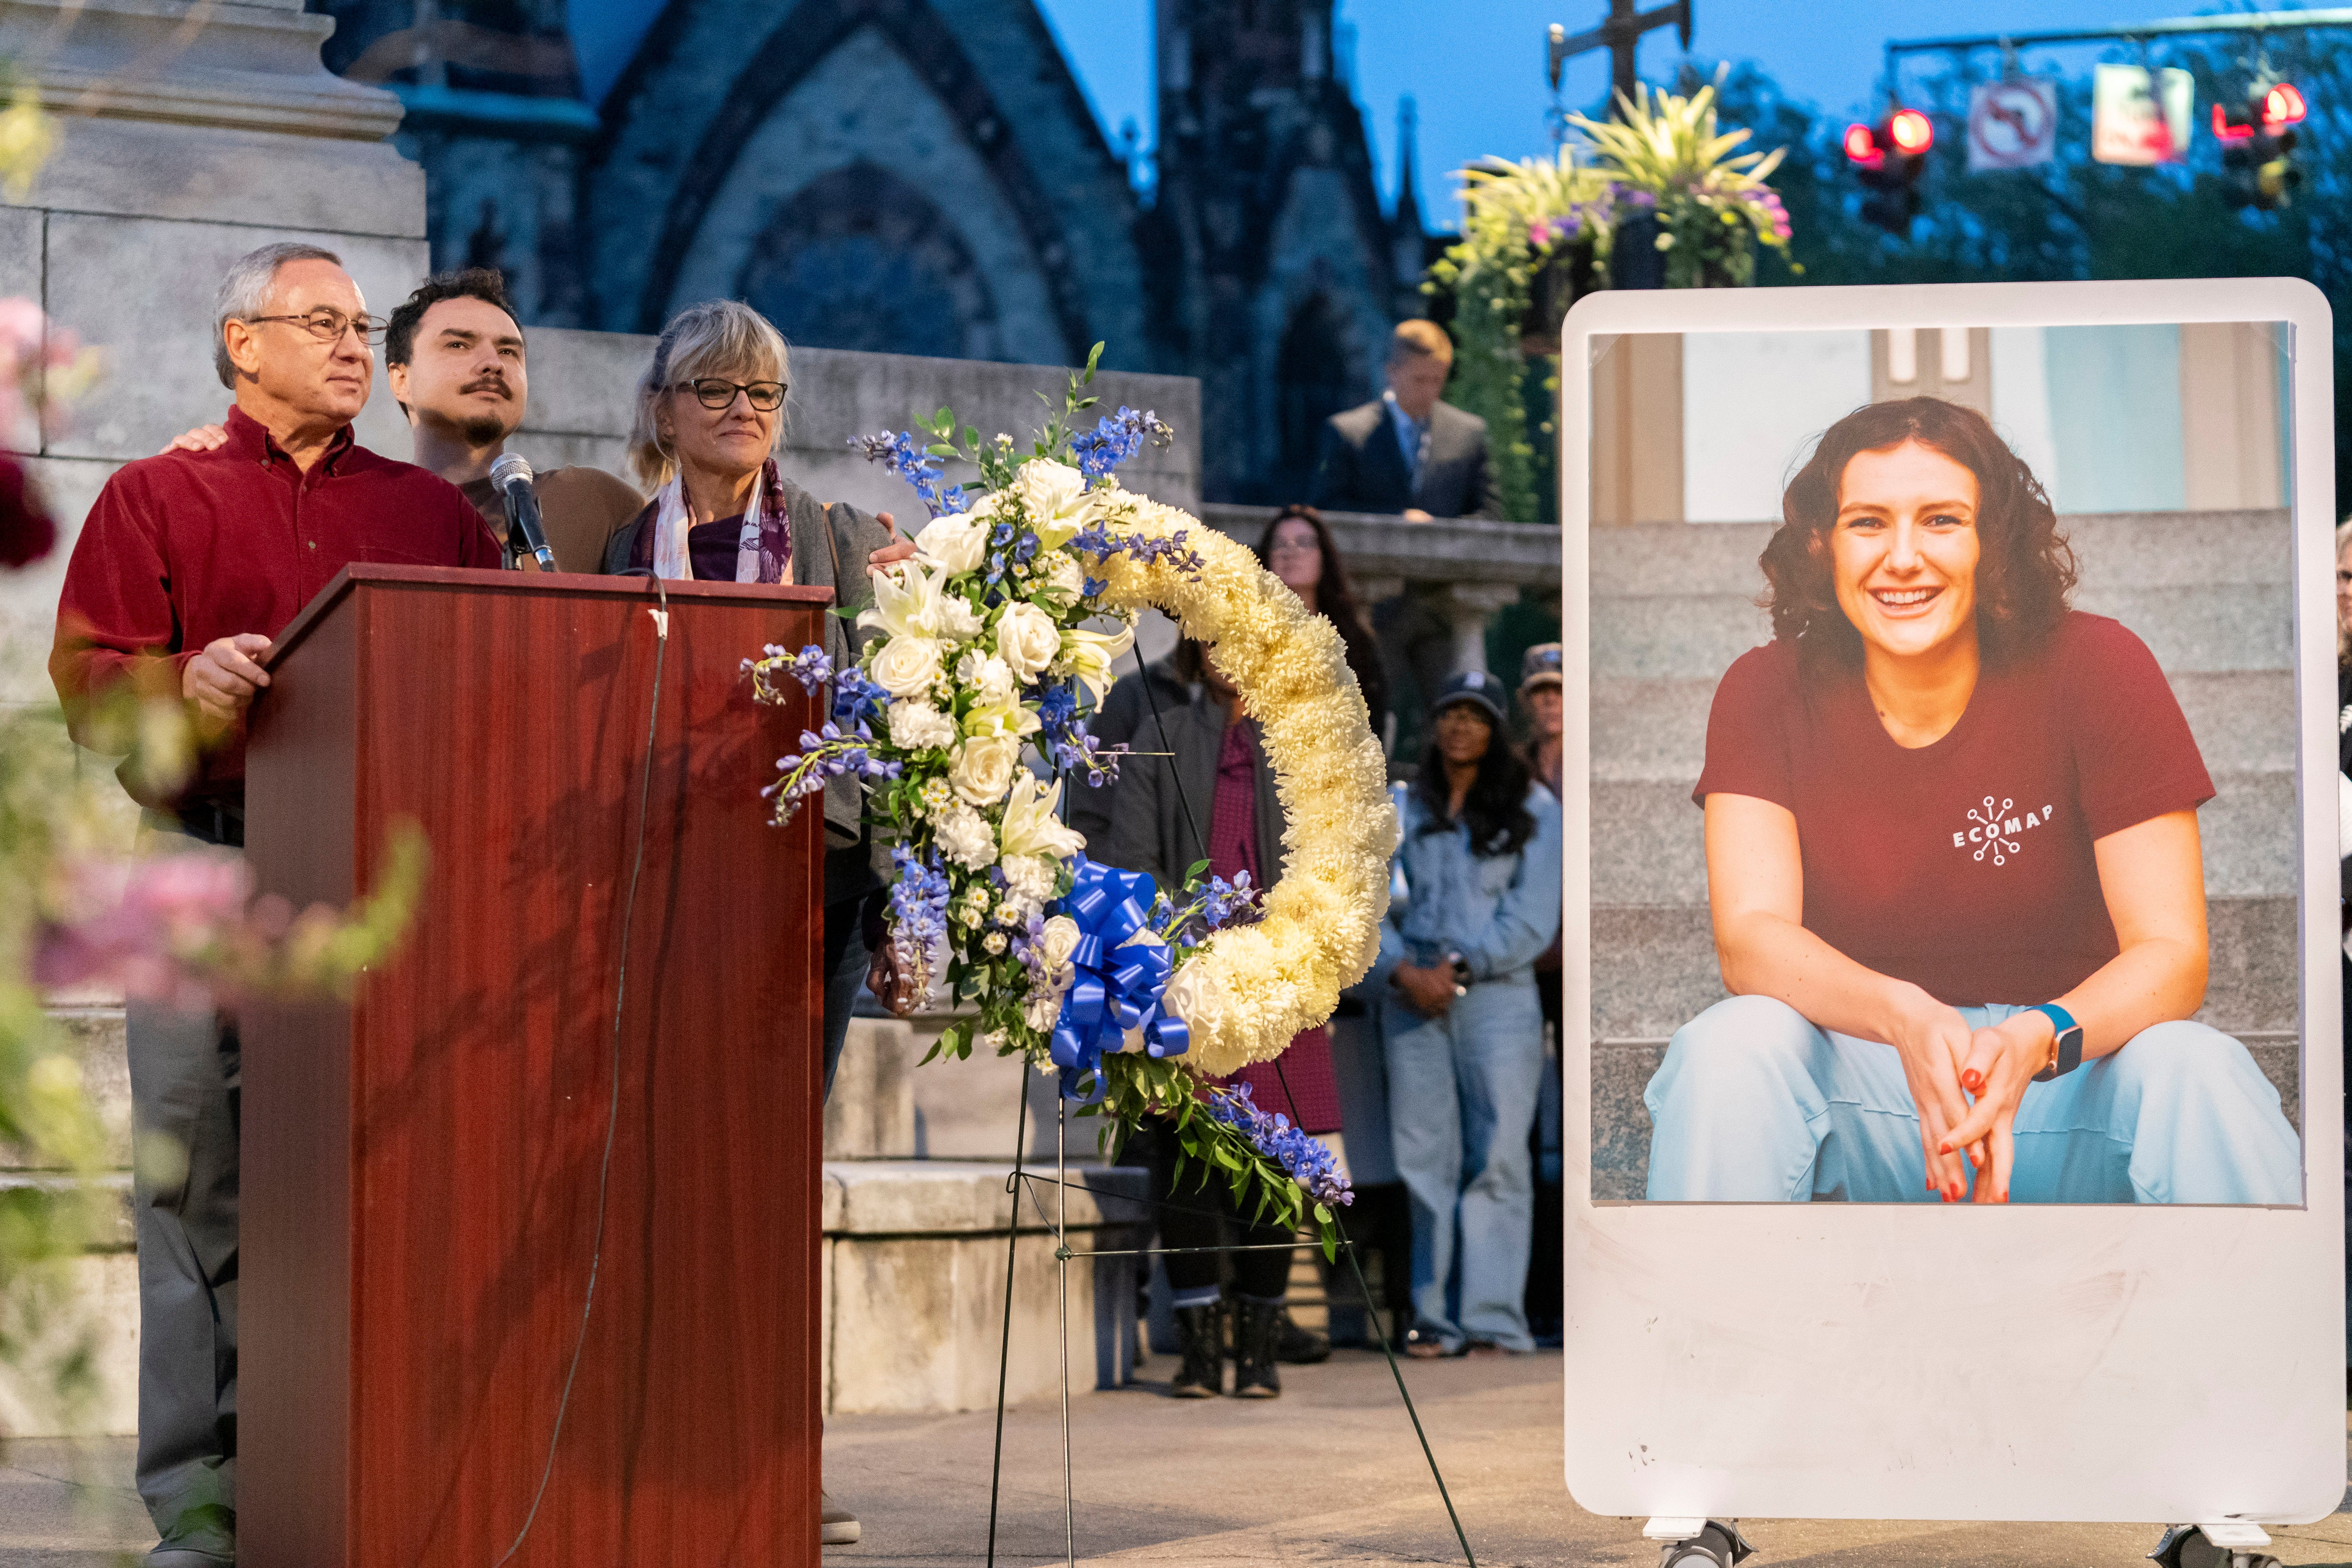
{"x": 1964, "y": 866}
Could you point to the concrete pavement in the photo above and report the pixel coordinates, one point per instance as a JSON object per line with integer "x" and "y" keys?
{"x": 1330, "y": 1474}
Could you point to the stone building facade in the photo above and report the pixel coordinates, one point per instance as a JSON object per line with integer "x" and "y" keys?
{"x": 925, "y": 178}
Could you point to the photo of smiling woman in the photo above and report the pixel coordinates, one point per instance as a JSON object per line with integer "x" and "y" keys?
{"x": 1953, "y": 870}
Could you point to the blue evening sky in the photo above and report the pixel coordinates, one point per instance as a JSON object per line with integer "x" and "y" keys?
{"x": 1475, "y": 67}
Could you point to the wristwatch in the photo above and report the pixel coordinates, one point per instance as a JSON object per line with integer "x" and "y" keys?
{"x": 2066, "y": 1050}
{"x": 1461, "y": 968}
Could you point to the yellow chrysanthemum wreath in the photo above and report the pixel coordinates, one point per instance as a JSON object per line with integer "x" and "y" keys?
{"x": 1256, "y": 986}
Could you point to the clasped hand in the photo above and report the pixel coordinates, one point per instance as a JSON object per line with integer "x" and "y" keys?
{"x": 1969, "y": 1147}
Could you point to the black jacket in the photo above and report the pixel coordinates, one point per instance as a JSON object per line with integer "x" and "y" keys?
{"x": 1359, "y": 467}
{"x": 1160, "y": 814}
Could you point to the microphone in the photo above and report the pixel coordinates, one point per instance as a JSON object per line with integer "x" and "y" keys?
{"x": 513, "y": 476}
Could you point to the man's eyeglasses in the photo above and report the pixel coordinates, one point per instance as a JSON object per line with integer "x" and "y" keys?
{"x": 328, "y": 326}
{"x": 767, "y": 396}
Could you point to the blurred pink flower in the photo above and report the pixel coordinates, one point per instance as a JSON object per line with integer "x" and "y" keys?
{"x": 156, "y": 928}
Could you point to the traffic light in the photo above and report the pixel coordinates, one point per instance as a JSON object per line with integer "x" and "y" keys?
{"x": 1889, "y": 158}
{"x": 2258, "y": 143}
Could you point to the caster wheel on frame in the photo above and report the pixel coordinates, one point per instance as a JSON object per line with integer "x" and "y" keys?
{"x": 2186, "y": 1546}
{"x": 1718, "y": 1546}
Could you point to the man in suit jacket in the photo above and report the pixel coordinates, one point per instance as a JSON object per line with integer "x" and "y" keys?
{"x": 1407, "y": 452}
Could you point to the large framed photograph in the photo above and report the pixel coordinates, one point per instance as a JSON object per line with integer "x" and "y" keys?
{"x": 1958, "y": 901}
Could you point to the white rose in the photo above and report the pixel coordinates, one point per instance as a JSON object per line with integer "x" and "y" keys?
{"x": 1090, "y": 657}
{"x": 958, "y": 619}
{"x": 1040, "y": 1010}
{"x": 1027, "y": 640}
{"x": 1058, "y": 940}
{"x": 918, "y": 726}
{"x": 907, "y": 666}
{"x": 957, "y": 541}
{"x": 1031, "y": 826}
{"x": 989, "y": 677}
{"x": 983, "y": 769}
{"x": 1055, "y": 496}
{"x": 964, "y": 838}
{"x": 1197, "y": 997}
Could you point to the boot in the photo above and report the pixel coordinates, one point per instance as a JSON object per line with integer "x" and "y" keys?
{"x": 1257, "y": 1329}
{"x": 1199, "y": 1342}
{"x": 1299, "y": 1347}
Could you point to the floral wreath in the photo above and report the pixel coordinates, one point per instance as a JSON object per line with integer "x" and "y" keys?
{"x": 1137, "y": 995}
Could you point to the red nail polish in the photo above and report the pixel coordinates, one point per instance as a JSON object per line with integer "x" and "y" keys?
{"x": 1943, "y": 1148}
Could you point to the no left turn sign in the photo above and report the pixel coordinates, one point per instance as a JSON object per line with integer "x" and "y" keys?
{"x": 2013, "y": 125}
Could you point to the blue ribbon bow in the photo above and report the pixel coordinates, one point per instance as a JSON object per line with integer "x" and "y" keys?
{"x": 1117, "y": 987}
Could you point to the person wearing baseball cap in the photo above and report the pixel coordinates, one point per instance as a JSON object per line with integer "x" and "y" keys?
{"x": 1542, "y": 700}
{"x": 1480, "y": 859}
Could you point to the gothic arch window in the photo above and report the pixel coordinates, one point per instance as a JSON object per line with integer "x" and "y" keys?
{"x": 860, "y": 259}
{"x": 1313, "y": 380}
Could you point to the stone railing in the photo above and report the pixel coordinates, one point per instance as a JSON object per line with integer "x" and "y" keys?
{"x": 1483, "y": 565}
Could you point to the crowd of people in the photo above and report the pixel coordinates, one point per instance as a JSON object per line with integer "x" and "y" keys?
{"x": 190, "y": 562}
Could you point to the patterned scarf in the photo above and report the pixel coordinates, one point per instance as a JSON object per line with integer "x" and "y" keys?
{"x": 763, "y": 551}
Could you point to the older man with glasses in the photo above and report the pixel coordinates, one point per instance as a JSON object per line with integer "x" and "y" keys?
{"x": 189, "y": 564}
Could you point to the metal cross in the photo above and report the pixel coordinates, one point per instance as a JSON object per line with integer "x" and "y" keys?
{"x": 1619, "y": 34}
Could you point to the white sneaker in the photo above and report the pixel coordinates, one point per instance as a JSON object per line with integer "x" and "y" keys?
{"x": 836, "y": 1526}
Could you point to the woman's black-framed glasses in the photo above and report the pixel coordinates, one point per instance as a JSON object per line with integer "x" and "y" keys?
{"x": 328, "y": 326}
{"x": 767, "y": 396}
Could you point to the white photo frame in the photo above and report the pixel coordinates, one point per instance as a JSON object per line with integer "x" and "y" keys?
{"x": 2170, "y": 1364}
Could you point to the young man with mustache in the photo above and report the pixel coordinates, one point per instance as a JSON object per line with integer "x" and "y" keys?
{"x": 452, "y": 353}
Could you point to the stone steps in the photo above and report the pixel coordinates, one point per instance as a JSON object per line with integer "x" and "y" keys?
{"x": 1656, "y": 728}
{"x": 1694, "y": 636}
{"x": 1648, "y": 842}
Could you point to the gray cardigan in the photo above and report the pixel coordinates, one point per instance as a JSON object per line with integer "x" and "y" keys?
{"x": 822, "y": 536}
{"x": 1150, "y": 830}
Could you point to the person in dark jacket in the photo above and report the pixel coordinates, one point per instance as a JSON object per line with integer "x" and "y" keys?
{"x": 1212, "y": 800}
{"x": 1296, "y": 547}
{"x": 1125, "y": 718}
{"x": 1407, "y": 452}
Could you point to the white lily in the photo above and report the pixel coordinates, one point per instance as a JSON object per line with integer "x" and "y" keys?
{"x": 1030, "y": 826}
{"x": 1055, "y": 497}
{"x": 906, "y": 599}
{"x": 1089, "y": 655}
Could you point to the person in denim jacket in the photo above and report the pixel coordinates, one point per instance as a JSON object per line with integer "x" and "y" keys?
{"x": 1476, "y": 897}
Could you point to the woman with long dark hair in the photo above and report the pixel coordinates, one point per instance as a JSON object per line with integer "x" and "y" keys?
{"x": 1954, "y": 869}
{"x": 1479, "y": 861}
{"x": 1296, "y": 547}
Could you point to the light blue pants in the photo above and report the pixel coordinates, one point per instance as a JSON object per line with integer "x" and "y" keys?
{"x": 1754, "y": 1104}
{"x": 1462, "y": 1099}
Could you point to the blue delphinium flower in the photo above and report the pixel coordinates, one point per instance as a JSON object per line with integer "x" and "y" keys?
{"x": 1225, "y": 903}
{"x": 1309, "y": 1163}
{"x": 857, "y": 702}
{"x": 1116, "y": 438}
{"x": 1142, "y": 549}
{"x": 908, "y": 460}
{"x": 919, "y": 907}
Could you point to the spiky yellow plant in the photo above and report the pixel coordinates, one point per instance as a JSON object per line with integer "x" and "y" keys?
{"x": 1712, "y": 202}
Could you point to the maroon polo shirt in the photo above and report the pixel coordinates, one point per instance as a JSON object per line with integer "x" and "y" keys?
{"x": 184, "y": 548}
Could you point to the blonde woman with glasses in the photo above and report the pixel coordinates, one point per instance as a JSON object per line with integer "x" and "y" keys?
{"x": 710, "y": 412}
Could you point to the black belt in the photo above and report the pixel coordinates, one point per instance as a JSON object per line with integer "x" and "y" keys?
{"x": 213, "y": 822}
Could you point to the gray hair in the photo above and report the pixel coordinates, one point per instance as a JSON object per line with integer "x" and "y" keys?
{"x": 718, "y": 337}
{"x": 244, "y": 290}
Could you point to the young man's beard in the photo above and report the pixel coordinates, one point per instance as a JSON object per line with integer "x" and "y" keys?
{"x": 480, "y": 430}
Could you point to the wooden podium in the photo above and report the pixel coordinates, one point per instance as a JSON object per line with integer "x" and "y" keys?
{"x": 421, "y": 1166}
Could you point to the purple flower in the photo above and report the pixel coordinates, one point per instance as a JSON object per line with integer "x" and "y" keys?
{"x": 908, "y": 460}
{"x": 1309, "y": 1163}
{"x": 1118, "y": 437}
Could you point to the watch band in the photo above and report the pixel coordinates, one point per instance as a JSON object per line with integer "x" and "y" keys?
{"x": 2066, "y": 1048}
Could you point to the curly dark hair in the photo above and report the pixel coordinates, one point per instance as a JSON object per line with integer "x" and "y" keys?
{"x": 1496, "y": 809}
{"x": 483, "y": 283}
{"x": 1335, "y": 601}
{"x": 2025, "y": 570}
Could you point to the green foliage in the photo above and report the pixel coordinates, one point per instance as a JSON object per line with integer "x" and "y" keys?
{"x": 1524, "y": 224}
{"x": 1663, "y": 151}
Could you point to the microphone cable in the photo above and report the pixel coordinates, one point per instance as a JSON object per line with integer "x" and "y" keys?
{"x": 612, "y": 1104}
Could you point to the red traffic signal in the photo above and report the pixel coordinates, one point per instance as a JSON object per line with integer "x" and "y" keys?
{"x": 1912, "y": 132}
{"x": 2282, "y": 105}
{"x": 2229, "y": 127}
{"x": 1862, "y": 146}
